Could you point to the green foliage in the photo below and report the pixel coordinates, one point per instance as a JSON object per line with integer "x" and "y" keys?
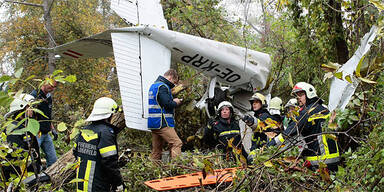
{"x": 23, "y": 33}
{"x": 61, "y": 127}
{"x": 139, "y": 168}
{"x": 364, "y": 166}
{"x": 14, "y": 157}
{"x": 301, "y": 38}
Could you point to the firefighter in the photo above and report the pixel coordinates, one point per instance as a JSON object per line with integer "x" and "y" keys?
{"x": 97, "y": 151}
{"x": 312, "y": 115}
{"x": 262, "y": 119}
{"x": 24, "y": 140}
{"x": 274, "y": 108}
{"x": 290, "y": 109}
{"x": 224, "y": 131}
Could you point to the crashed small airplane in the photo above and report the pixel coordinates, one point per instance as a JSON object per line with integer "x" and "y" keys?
{"x": 341, "y": 90}
{"x": 145, "y": 51}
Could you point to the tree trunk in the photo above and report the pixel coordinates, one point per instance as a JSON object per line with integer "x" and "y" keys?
{"x": 58, "y": 174}
{"x": 47, "y": 5}
{"x": 336, "y": 23}
{"x": 341, "y": 44}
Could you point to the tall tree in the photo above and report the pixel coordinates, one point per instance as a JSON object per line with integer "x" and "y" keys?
{"x": 36, "y": 24}
{"x": 47, "y": 7}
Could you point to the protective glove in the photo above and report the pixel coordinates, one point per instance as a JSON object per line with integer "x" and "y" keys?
{"x": 211, "y": 123}
{"x": 121, "y": 188}
{"x": 271, "y": 143}
{"x": 54, "y": 133}
{"x": 190, "y": 138}
{"x": 248, "y": 120}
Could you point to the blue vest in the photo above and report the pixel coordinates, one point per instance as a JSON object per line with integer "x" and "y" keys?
{"x": 155, "y": 112}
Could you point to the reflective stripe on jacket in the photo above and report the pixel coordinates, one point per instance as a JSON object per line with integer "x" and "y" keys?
{"x": 229, "y": 132}
{"x": 327, "y": 156}
{"x": 155, "y": 111}
{"x": 96, "y": 150}
{"x": 320, "y": 147}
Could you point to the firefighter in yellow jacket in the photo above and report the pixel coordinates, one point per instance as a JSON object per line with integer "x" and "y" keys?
{"x": 97, "y": 151}
{"x": 321, "y": 148}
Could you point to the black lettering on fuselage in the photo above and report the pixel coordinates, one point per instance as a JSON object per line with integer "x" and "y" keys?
{"x": 188, "y": 59}
{"x": 199, "y": 62}
{"x": 210, "y": 66}
{"x": 233, "y": 78}
{"x": 226, "y": 74}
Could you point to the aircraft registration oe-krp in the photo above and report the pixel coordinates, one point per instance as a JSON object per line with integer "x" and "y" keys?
{"x": 144, "y": 52}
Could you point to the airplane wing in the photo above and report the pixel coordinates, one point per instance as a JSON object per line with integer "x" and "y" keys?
{"x": 126, "y": 9}
{"x": 99, "y": 45}
{"x": 139, "y": 60}
{"x": 341, "y": 90}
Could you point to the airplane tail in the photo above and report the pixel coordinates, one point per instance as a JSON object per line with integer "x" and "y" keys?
{"x": 127, "y": 10}
{"x": 139, "y": 61}
{"x": 140, "y": 12}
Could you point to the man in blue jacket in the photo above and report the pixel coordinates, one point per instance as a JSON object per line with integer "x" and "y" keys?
{"x": 161, "y": 121}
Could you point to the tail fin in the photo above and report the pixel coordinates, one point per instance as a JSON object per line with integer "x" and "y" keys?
{"x": 126, "y": 9}
{"x": 139, "y": 60}
{"x": 140, "y": 12}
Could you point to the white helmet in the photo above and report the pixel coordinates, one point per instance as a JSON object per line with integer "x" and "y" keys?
{"x": 310, "y": 91}
{"x": 291, "y": 103}
{"x": 258, "y": 96}
{"x": 276, "y": 103}
{"x": 224, "y": 104}
{"x": 103, "y": 108}
{"x": 19, "y": 103}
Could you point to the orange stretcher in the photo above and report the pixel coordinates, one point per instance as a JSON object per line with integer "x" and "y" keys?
{"x": 192, "y": 180}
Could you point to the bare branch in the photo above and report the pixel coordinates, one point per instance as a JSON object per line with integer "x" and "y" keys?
{"x": 50, "y": 35}
{"x": 24, "y": 3}
{"x": 340, "y": 11}
{"x": 50, "y": 6}
{"x": 255, "y": 28}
